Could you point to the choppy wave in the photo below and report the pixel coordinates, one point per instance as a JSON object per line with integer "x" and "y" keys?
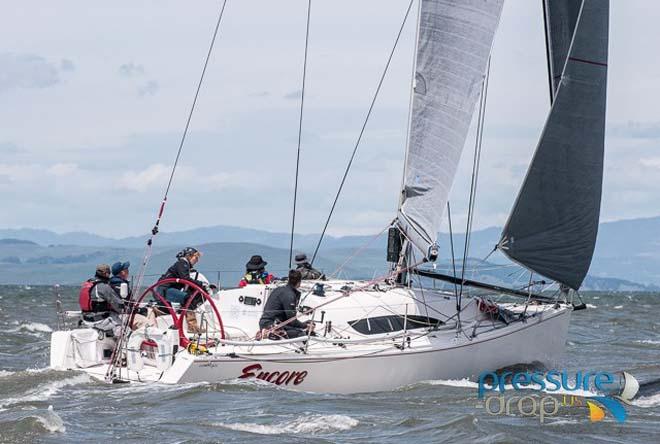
{"x": 305, "y": 424}
{"x": 649, "y": 341}
{"x": 45, "y": 391}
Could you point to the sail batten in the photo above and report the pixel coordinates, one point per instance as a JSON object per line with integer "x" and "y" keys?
{"x": 454, "y": 42}
{"x": 554, "y": 222}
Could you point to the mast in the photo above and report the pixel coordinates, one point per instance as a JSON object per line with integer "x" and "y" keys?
{"x": 548, "y": 56}
{"x": 411, "y": 96}
{"x": 395, "y": 237}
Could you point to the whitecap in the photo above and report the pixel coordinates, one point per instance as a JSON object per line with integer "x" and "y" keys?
{"x": 454, "y": 383}
{"x": 5, "y": 373}
{"x": 31, "y": 327}
{"x": 306, "y": 424}
{"x": 51, "y": 421}
{"x": 618, "y": 307}
{"x": 647, "y": 401}
{"x": 649, "y": 341}
{"x": 591, "y": 306}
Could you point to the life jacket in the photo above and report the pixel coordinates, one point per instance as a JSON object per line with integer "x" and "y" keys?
{"x": 87, "y": 302}
{"x": 256, "y": 277}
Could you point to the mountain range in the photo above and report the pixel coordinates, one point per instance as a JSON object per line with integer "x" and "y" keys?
{"x": 627, "y": 255}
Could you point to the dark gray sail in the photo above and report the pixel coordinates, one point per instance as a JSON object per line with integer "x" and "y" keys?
{"x": 553, "y": 225}
{"x": 454, "y": 43}
{"x": 560, "y": 19}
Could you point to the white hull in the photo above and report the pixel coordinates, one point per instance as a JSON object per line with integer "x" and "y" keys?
{"x": 388, "y": 362}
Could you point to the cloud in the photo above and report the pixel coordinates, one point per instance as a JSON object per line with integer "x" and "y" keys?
{"x": 62, "y": 169}
{"x": 293, "y": 95}
{"x": 27, "y": 71}
{"x": 131, "y": 70}
{"x": 635, "y": 130}
{"x": 259, "y": 94}
{"x": 148, "y": 89}
{"x": 153, "y": 176}
{"x": 651, "y": 162}
{"x": 67, "y": 65}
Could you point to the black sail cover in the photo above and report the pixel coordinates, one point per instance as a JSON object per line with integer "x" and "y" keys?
{"x": 560, "y": 18}
{"x": 554, "y": 222}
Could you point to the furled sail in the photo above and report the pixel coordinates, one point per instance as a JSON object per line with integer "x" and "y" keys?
{"x": 560, "y": 20}
{"x": 553, "y": 225}
{"x": 454, "y": 42}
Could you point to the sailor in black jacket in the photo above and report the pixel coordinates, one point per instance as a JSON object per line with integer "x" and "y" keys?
{"x": 174, "y": 292}
{"x": 186, "y": 259}
{"x": 281, "y": 306}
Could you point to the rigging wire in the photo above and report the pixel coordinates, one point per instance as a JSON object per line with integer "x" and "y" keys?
{"x": 364, "y": 126}
{"x": 453, "y": 257}
{"x": 475, "y": 176}
{"x": 154, "y": 231}
{"x": 300, "y": 123}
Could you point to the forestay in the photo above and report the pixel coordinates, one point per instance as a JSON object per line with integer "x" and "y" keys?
{"x": 454, "y": 43}
{"x": 553, "y": 225}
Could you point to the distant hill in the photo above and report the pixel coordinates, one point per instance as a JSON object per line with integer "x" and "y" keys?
{"x": 16, "y": 242}
{"x": 627, "y": 252}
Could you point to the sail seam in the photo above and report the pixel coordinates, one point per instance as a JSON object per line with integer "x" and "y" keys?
{"x": 590, "y": 62}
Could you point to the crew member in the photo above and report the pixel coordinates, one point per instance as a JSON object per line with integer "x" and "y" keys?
{"x": 99, "y": 303}
{"x": 103, "y": 297}
{"x": 306, "y": 270}
{"x": 120, "y": 280}
{"x": 174, "y": 292}
{"x": 280, "y": 307}
{"x": 255, "y": 272}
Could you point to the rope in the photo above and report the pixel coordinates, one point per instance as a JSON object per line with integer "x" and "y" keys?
{"x": 364, "y": 126}
{"x": 300, "y": 122}
{"x": 154, "y": 231}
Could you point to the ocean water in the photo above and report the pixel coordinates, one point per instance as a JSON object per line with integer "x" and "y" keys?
{"x": 617, "y": 332}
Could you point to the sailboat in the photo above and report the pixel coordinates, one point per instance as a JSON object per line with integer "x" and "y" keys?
{"x": 394, "y": 331}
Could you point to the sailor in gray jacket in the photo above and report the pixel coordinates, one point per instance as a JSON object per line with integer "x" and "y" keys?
{"x": 105, "y": 302}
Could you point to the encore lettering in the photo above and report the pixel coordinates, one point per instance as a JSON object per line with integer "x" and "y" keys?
{"x": 279, "y": 378}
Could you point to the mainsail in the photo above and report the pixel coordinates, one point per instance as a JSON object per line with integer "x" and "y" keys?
{"x": 454, "y": 42}
{"x": 553, "y": 225}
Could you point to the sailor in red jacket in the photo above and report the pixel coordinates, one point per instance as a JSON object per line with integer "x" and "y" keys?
{"x": 255, "y": 272}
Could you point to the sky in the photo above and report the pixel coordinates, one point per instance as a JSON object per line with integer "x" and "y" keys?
{"x": 94, "y": 97}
